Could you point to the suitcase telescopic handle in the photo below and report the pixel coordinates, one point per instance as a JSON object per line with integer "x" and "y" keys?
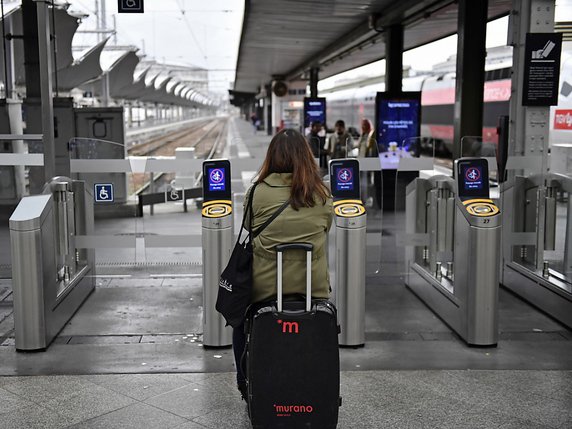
{"x": 308, "y": 247}
{"x": 280, "y": 248}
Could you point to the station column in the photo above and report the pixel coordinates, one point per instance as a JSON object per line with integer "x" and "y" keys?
{"x": 38, "y": 63}
{"x": 314, "y": 82}
{"x": 394, "y": 59}
{"x": 471, "y": 53}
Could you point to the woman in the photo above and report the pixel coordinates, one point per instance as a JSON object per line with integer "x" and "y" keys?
{"x": 367, "y": 143}
{"x": 288, "y": 172}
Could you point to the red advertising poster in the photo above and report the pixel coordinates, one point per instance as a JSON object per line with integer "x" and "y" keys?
{"x": 563, "y": 119}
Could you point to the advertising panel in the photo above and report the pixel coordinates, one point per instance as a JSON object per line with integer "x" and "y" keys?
{"x": 398, "y": 119}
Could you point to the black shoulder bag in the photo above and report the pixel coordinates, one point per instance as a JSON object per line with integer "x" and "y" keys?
{"x": 235, "y": 283}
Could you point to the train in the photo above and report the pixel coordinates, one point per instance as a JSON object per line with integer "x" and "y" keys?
{"x": 356, "y": 101}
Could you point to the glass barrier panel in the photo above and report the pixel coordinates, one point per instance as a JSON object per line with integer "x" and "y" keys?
{"x": 414, "y": 165}
{"x": 113, "y": 184}
{"x": 372, "y": 195}
{"x": 556, "y": 232}
{"x": 21, "y": 174}
{"x": 522, "y": 201}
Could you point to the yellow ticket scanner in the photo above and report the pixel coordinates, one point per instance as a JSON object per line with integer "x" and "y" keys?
{"x": 350, "y": 220}
{"x": 217, "y": 240}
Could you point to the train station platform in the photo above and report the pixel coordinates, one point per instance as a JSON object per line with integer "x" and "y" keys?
{"x": 132, "y": 356}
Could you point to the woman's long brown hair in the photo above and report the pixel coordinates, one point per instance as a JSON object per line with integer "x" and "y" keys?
{"x": 290, "y": 153}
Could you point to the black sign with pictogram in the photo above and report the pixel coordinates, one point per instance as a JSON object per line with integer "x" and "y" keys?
{"x": 174, "y": 195}
{"x": 541, "y": 69}
{"x": 130, "y": 6}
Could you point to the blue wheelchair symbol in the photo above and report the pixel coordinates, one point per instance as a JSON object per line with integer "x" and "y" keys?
{"x": 104, "y": 192}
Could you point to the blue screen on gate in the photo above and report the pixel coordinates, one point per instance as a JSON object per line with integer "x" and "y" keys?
{"x": 344, "y": 179}
{"x": 472, "y": 177}
{"x": 216, "y": 179}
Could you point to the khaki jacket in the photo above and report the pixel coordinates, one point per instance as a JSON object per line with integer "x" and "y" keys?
{"x": 367, "y": 145}
{"x": 308, "y": 224}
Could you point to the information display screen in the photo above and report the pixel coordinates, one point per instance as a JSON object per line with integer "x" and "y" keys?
{"x": 398, "y": 119}
{"x": 216, "y": 180}
{"x": 314, "y": 111}
{"x": 344, "y": 179}
{"x": 473, "y": 178}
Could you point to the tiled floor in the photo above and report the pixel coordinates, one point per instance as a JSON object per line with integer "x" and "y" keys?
{"x": 371, "y": 399}
{"x": 132, "y": 357}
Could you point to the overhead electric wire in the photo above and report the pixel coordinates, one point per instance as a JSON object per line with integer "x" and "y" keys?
{"x": 182, "y": 9}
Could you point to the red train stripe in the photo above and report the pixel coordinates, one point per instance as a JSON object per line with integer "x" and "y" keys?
{"x": 446, "y": 132}
{"x": 495, "y": 90}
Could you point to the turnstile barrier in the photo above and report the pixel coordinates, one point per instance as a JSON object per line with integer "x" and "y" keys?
{"x": 453, "y": 259}
{"x": 217, "y": 240}
{"x": 350, "y": 223}
{"x": 50, "y": 275}
{"x": 538, "y": 242}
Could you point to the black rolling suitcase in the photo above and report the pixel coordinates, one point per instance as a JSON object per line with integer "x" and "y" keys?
{"x": 292, "y": 359}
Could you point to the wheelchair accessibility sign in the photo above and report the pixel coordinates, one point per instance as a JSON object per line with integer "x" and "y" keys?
{"x": 104, "y": 192}
{"x": 173, "y": 194}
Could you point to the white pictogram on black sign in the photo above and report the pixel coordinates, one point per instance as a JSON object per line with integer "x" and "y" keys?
{"x": 130, "y": 6}
{"x": 541, "y": 69}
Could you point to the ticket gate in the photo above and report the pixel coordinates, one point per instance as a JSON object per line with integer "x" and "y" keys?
{"x": 538, "y": 244}
{"x": 350, "y": 244}
{"x": 454, "y": 265}
{"x": 217, "y": 241}
{"x": 51, "y": 276}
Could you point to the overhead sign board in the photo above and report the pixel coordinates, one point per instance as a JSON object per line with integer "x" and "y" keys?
{"x": 130, "y": 6}
{"x": 541, "y": 69}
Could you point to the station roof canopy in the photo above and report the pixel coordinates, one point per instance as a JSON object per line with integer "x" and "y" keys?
{"x": 284, "y": 39}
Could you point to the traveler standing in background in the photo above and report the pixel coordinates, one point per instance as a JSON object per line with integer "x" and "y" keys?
{"x": 255, "y": 122}
{"x": 317, "y": 141}
{"x": 340, "y": 141}
{"x": 289, "y": 172}
{"x": 367, "y": 144}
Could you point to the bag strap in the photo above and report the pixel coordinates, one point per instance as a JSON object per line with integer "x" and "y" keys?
{"x": 271, "y": 218}
{"x": 245, "y": 215}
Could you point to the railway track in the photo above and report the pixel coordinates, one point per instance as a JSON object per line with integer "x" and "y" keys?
{"x": 202, "y": 136}
{"x": 165, "y": 145}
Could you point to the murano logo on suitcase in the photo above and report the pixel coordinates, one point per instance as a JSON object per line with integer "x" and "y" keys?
{"x": 289, "y": 327}
{"x": 287, "y": 410}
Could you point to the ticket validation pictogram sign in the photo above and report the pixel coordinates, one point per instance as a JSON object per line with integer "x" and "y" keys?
{"x": 541, "y": 69}
{"x": 130, "y": 6}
